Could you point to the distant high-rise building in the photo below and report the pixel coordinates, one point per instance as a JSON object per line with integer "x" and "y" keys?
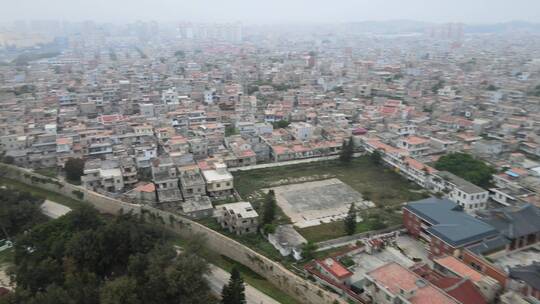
{"x": 230, "y": 32}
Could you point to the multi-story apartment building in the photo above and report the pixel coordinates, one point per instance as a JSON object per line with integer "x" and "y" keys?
{"x": 191, "y": 181}
{"x": 219, "y": 182}
{"x": 464, "y": 193}
{"x": 165, "y": 178}
{"x": 239, "y": 218}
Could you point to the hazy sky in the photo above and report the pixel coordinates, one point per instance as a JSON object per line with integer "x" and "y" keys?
{"x": 273, "y": 11}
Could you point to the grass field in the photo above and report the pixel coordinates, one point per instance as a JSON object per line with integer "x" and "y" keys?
{"x": 387, "y": 189}
{"x": 372, "y": 221}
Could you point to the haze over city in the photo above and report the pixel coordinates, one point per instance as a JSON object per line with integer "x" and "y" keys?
{"x": 276, "y": 11}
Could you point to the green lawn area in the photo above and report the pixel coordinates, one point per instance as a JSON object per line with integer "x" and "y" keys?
{"x": 372, "y": 221}
{"x": 49, "y": 172}
{"x": 38, "y": 192}
{"x": 378, "y": 183}
{"x": 387, "y": 189}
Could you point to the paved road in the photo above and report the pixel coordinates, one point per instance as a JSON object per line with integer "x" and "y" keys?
{"x": 219, "y": 277}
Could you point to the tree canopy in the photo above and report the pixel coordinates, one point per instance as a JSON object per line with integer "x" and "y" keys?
{"x": 18, "y": 212}
{"x": 347, "y": 151}
{"x": 74, "y": 169}
{"x": 350, "y": 221}
{"x": 85, "y": 258}
{"x": 467, "y": 167}
{"x": 234, "y": 292}
{"x": 269, "y": 211}
{"x": 282, "y": 124}
{"x": 376, "y": 157}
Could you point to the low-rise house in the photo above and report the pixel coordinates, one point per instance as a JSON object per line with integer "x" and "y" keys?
{"x": 103, "y": 176}
{"x": 198, "y": 147}
{"x": 144, "y": 193}
{"x": 287, "y": 241}
{"x": 452, "y": 268}
{"x": 530, "y": 148}
{"x": 527, "y": 279}
{"x": 198, "y": 207}
{"x": 219, "y": 182}
{"x": 393, "y": 283}
{"x": 239, "y": 218}
{"x": 487, "y": 148}
{"x": 520, "y": 225}
{"x": 510, "y": 195}
{"x": 333, "y": 269}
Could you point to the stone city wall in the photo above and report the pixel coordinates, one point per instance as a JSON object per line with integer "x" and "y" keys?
{"x": 297, "y": 287}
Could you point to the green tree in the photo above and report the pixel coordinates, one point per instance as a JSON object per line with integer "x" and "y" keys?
{"x": 491, "y": 87}
{"x": 282, "y": 124}
{"x": 83, "y": 258}
{"x": 122, "y": 290}
{"x": 8, "y": 159}
{"x": 467, "y": 167}
{"x": 350, "y": 221}
{"x": 308, "y": 251}
{"x": 269, "y": 208}
{"x": 18, "y": 212}
{"x": 230, "y": 130}
{"x": 180, "y": 54}
{"x": 347, "y": 151}
{"x": 234, "y": 292}
{"x": 376, "y": 157}
{"x": 74, "y": 168}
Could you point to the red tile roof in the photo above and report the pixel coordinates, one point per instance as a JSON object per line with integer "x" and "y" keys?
{"x": 150, "y": 187}
{"x": 459, "y": 268}
{"x": 396, "y": 278}
{"x": 335, "y": 268}
{"x": 462, "y": 290}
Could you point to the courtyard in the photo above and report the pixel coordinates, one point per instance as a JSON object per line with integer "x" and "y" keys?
{"x": 361, "y": 180}
{"x": 313, "y": 203}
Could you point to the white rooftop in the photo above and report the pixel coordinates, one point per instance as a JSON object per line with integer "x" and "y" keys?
{"x": 244, "y": 209}
{"x": 217, "y": 176}
{"x": 54, "y": 210}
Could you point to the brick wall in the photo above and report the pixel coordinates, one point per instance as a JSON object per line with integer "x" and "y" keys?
{"x": 485, "y": 267}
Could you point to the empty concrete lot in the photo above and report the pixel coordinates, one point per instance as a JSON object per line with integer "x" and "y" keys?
{"x": 313, "y": 203}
